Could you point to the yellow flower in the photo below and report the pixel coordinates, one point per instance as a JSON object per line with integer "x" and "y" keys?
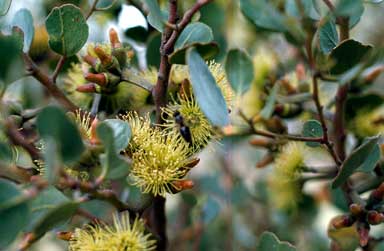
{"x": 159, "y": 162}
{"x": 158, "y": 159}
{"x": 83, "y": 120}
{"x": 369, "y": 122}
{"x": 73, "y": 80}
{"x": 200, "y": 128}
{"x": 284, "y": 182}
{"x": 121, "y": 236}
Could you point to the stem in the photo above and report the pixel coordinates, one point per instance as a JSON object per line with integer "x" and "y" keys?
{"x": 93, "y": 9}
{"x": 59, "y": 66}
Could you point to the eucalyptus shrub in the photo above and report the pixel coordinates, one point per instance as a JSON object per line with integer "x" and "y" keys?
{"x": 279, "y": 99}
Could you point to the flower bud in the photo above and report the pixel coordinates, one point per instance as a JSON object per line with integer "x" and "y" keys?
{"x": 91, "y": 60}
{"x": 193, "y": 162}
{"x": 114, "y": 38}
{"x": 94, "y": 139}
{"x": 356, "y": 209}
{"x": 375, "y": 218}
{"x": 98, "y": 78}
{"x": 262, "y": 142}
{"x": 183, "y": 184}
{"x": 265, "y": 161}
{"x": 64, "y": 235}
{"x": 88, "y": 88}
{"x": 363, "y": 231}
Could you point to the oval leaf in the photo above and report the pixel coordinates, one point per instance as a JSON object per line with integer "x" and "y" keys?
{"x": 206, "y": 91}
{"x": 357, "y": 158}
{"x": 155, "y": 17}
{"x": 121, "y": 133}
{"x": 53, "y": 123}
{"x": 328, "y": 36}
{"x": 13, "y": 219}
{"x": 313, "y": 129}
{"x": 23, "y": 19}
{"x": 239, "y": 70}
{"x": 194, "y": 33}
{"x": 67, "y": 29}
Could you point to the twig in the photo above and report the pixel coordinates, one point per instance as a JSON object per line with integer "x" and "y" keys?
{"x": 59, "y": 66}
{"x": 329, "y": 4}
{"x": 91, "y": 10}
{"x": 48, "y": 83}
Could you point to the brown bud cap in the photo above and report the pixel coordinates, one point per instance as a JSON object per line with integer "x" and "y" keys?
{"x": 374, "y": 217}
{"x": 64, "y": 235}
{"x": 105, "y": 58}
{"x": 185, "y": 90}
{"x": 342, "y": 221}
{"x": 183, "y": 184}
{"x": 94, "y": 139}
{"x": 98, "y": 78}
{"x": 193, "y": 162}
{"x": 130, "y": 54}
{"x": 378, "y": 194}
{"x": 87, "y": 88}
{"x": 262, "y": 142}
{"x": 90, "y": 60}
{"x": 356, "y": 209}
{"x": 288, "y": 87}
{"x": 114, "y": 38}
{"x": 265, "y": 161}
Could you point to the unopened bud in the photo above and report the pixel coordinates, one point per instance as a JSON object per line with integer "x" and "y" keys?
{"x": 104, "y": 57}
{"x": 181, "y": 185}
{"x": 342, "y": 221}
{"x": 98, "y": 78}
{"x": 64, "y": 235}
{"x": 375, "y": 218}
{"x": 288, "y": 87}
{"x": 356, "y": 209}
{"x": 373, "y": 74}
{"x": 262, "y": 142}
{"x": 90, "y": 60}
{"x": 114, "y": 38}
{"x": 300, "y": 71}
{"x": 87, "y": 88}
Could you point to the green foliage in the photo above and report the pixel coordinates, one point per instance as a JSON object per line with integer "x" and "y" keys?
{"x": 328, "y": 36}
{"x": 4, "y": 7}
{"x": 194, "y": 33}
{"x": 206, "y": 91}
{"x": 67, "y": 29}
{"x": 239, "y": 70}
{"x": 313, "y": 128}
{"x": 23, "y": 19}
{"x": 362, "y": 158}
{"x": 270, "y": 242}
{"x": 155, "y": 17}
{"x": 14, "y": 212}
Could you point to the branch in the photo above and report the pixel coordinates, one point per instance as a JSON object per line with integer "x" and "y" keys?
{"x": 59, "y": 66}
{"x": 92, "y": 9}
{"x": 48, "y": 83}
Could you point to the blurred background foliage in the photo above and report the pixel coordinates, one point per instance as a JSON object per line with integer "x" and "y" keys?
{"x": 230, "y": 205}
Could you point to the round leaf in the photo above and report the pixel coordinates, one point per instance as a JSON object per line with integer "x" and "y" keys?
{"x": 194, "y": 33}
{"x": 23, "y": 19}
{"x": 239, "y": 70}
{"x": 206, "y": 91}
{"x": 313, "y": 129}
{"x": 328, "y": 36}
{"x": 67, "y": 29}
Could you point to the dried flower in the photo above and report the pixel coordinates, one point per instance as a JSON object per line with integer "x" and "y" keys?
{"x": 121, "y": 236}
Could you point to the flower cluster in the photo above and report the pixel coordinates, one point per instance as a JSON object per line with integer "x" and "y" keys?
{"x": 186, "y": 105}
{"x": 160, "y": 160}
{"x": 284, "y": 182}
{"x": 123, "y": 235}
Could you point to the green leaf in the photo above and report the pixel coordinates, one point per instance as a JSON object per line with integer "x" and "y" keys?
{"x": 239, "y": 70}
{"x": 23, "y": 19}
{"x": 309, "y": 8}
{"x": 114, "y": 136}
{"x": 353, "y": 9}
{"x": 194, "y": 33}
{"x": 52, "y": 160}
{"x": 13, "y": 218}
{"x": 356, "y": 159}
{"x": 4, "y": 7}
{"x": 206, "y": 91}
{"x": 53, "y": 123}
{"x": 270, "y": 242}
{"x": 328, "y": 36}
{"x": 55, "y": 217}
{"x": 347, "y": 54}
{"x": 155, "y": 17}
{"x": 10, "y": 51}
{"x": 269, "y": 106}
{"x": 47, "y": 200}
{"x": 206, "y": 51}
{"x": 67, "y": 29}
{"x": 313, "y": 129}
{"x": 152, "y": 52}
{"x": 6, "y": 153}
{"x": 372, "y": 160}
{"x": 263, "y": 14}
{"x": 121, "y": 133}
